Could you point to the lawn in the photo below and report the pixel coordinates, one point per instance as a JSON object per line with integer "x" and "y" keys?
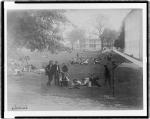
{"x": 30, "y": 89}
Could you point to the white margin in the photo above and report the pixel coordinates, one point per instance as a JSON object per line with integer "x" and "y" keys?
{"x": 11, "y": 5}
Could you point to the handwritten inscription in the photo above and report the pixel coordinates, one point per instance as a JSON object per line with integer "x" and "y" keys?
{"x": 15, "y": 107}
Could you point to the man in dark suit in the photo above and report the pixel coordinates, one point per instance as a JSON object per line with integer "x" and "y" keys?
{"x": 107, "y": 75}
{"x": 49, "y": 72}
{"x": 56, "y": 71}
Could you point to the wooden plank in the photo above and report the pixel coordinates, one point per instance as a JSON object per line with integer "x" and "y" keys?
{"x": 137, "y": 62}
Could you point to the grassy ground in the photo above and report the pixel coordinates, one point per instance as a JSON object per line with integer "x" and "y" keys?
{"x": 30, "y": 89}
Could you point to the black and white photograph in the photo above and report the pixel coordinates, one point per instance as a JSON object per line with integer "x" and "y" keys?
{"x": 76, "y": 59}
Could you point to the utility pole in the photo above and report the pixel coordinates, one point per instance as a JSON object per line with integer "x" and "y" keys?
{"x": 114, "y": 66}
{"x": 113, "y": 82}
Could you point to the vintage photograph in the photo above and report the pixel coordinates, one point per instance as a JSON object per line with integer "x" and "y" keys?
{"x": 75, "y": 59}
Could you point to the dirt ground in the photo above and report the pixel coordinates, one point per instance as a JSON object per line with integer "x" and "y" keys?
{"x": 29, "y": 90}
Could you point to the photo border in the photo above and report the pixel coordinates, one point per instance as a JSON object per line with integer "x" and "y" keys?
{"x": 2, "y": 59}
{"x": 50, "y": 2}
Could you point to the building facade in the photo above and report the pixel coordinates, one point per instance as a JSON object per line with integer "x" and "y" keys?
{"x": 133, "y": 34}
{"x": 91, "y": 45}
{"x": 107, "y": 44}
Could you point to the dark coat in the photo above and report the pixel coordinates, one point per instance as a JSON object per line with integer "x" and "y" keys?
{"x": 55, "y": 69}
{"x": 48, "y": 69}
{"x": 107, "y": 72}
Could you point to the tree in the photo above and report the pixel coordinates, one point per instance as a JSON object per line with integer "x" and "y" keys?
{"x": 109, "y": 36}
{"x": 25, "y": 59}
{"x": 36, "y": 30}
{"x": 76, "y": 35}
{"x": 120, "y": 41}
{"x": 100, "y": 25}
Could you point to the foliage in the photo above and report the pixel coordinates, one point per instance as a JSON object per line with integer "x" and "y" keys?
{"x": 100, "y": 25}
{"x": 36, "y": 30}
{"x": 119, "y": 43}
{"x": 109, "y": 35}
{"x": 25, "y": 59}
{"x": 75, "y": 35}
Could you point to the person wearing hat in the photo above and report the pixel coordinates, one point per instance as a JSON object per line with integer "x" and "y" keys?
{"x": 49, "y": 72}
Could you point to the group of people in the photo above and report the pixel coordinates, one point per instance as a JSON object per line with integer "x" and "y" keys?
{"x": 56, "y": 73}
{"x": 79, "y": 60}
{"x": 61, "y": 75}
{"x": 90, "y": 81}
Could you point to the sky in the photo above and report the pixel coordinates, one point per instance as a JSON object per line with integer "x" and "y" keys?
{"x": 86, "y": 19}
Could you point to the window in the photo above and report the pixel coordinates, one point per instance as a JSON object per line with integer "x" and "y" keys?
{"x": 92, "y": 45}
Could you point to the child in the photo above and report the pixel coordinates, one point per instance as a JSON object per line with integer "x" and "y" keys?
{"x": 75, "y": 83}
{"x": 86, "y": 82}
{"x": 64, "y": 80}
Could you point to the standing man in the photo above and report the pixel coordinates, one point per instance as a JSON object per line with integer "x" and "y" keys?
{"x": 109, "y": 71}
{"x": 56, "y": 72}
{"x": 107, "y": 76}
{"x": 114, "y": 66}
{"x": 49, "y": 72}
